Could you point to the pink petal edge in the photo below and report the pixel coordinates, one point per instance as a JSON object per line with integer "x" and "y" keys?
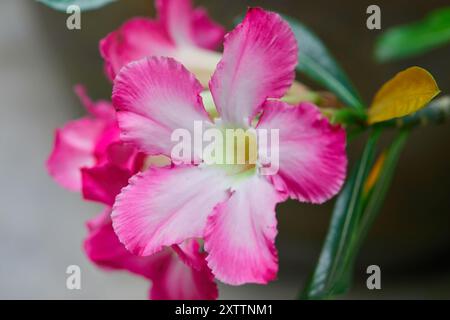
{"x": 313, "y": 160}
{"x": 258, "y": 62}
{"x": 240, "y": 234}
{"x": 165, "y": 206}
{"x": 153, "y": 97}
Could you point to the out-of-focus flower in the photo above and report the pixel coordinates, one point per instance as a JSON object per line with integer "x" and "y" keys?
{"x": 177, "y": 273}
{"x": 81, "y": 143}
{"x": 231, "y": 207}
{"x": 188, "y": 35}
{"x": 102, "y": 167}
{"x": 180, "y": 31}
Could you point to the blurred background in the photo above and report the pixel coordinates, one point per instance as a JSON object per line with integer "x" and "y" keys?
{"x": 42, "y": 225}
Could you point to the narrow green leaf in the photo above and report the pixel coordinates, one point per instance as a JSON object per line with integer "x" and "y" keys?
{"x": 61, "y": 5}
{"x": 346, "y": 213}
{"x": 372, "y": 205}
{"x": 415, "y": 38}
{"x": 377, "y": 195}
{"x": 316, "y": 62}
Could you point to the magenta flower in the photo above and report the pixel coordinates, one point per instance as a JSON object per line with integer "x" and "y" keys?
{"x": 233, "y": 210}
{"x": 88, "y": 157}
{"x": 176, "y": 273}
{"x": 180, "y": 31}
{"x": 81, "y": 143}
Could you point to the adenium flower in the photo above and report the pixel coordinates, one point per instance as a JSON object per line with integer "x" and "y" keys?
{"x": 179, "y": 31}
{"x": 177, "y": 273}
{"x": 89, "y": 157}
{"x": 82, "y": 142}
{"x": 233, "y": 210}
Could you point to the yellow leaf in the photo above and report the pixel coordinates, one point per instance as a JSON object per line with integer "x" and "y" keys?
{"x": 409, "y": 91}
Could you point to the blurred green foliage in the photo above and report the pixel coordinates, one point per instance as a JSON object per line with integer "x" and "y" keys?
{"x": 415, "y": 38}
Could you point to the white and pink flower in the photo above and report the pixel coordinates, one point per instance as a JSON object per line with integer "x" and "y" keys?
{"x": 180, "y": 31}
{"x": 232, "y": 209}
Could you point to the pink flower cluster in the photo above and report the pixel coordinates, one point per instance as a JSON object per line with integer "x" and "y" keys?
{"x": 182, "y": 225}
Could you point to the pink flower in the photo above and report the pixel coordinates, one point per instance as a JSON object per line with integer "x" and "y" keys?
{"x": 233, "y": 210}
{"x": 81, "y": 143}
{"x": 89, "y": 157}
{"x": 180, "y": 31}
{"x": 177, "y": 273}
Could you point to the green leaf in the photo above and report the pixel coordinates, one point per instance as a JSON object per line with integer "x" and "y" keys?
{"x": 61, "y": 5}
{"x": 372, "y": 205}
{"x": 316, "y": 62}
{"x": 333, "y": 274}
{"x": 377, "y": 195}
{"x": 415, "y": 38}
{"x": 323, "y": 282}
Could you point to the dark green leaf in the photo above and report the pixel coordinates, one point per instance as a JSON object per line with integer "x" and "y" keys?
{"x": 372, "y": 205}
{"x": 377, "y": 195}
{"x": 324, "y": 281}
{"x": 61, "y": 5}
{"x": 329, "y": 281}
{"x": 317, "y": 63}
{"x": 416, "y": 38}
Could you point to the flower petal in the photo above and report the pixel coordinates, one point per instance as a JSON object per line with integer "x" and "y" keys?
{"x": 109, "y": 136}
{"x": 153, "y": 97}
{"x": 186, "y": 276}
{"x": 100, "y": 109}
{"x": 188, "y": 26}
{"x": 259, "y": 60}
{"x": 74, "y": 148}
{"x": 312, "y": 157}
{"x": 181, "y": 282}
{"x": 104, "y": 249}
{"x": 103, "y": 183}
{"x": 125, "y": 156}
{"x": 207, "y": 34}
{"x": 135, "y": 39}
{"x": 165, "y": 206}
{"x": 240, "y": 234}
{"x": 190, "y": 252}
{"x": 176, "y": 16}
{"x": 171, "y": 277}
